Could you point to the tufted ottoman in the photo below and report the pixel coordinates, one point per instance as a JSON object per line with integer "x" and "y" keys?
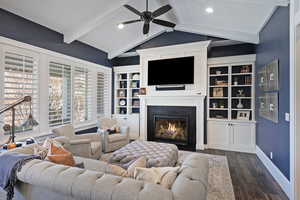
{"x": 157, "y": 154}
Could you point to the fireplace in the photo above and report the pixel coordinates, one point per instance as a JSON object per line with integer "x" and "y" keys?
{"x": 172, "y": 124}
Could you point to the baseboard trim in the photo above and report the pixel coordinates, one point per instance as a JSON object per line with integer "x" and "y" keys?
{"x": 283, "y": 182}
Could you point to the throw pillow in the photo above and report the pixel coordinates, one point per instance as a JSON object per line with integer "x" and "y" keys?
{"x": 49, "y": 141}
{"x": 40, "y": 151}
{"x": 59, "y": 155}
{"x": 140, "y": 162}
{"x": 119, "y": 171}
{"x": 165, "y": 176}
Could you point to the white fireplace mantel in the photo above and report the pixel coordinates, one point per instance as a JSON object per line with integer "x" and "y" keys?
{"x": 172, "y": 100}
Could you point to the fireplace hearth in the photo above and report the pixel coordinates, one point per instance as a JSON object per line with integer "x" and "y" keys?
{"x": 173, "y": 124}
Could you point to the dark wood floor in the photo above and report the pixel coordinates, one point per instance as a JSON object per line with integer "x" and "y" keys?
{"x": 250, "y": 178}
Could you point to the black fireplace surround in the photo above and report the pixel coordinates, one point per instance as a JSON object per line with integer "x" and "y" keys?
{"x": 180, "y": 116}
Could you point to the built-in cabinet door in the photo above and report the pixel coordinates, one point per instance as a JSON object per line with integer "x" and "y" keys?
{"x": 231, "y": 136}
{"x": 218, "y": 135}
{"x": 243, "y": 137}
{"x": 133, "y": 122}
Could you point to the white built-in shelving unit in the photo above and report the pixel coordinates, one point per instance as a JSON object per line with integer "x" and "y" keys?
{"x": 225, "y": 84}
{"x": 127, "y": 101}
{"x": 231, "y": 103}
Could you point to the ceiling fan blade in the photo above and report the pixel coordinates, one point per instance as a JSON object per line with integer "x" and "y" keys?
{"x": 132, "y": 21}
{"x": 146, "y": 28}
{"x": 163, "y": 23}
{"x": 132, "y": 9}
{"x": 161, "y": 11}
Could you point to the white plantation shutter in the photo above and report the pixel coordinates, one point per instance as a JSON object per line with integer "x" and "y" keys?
{"x": 103, "y": 93}
{"x": 59, "y": 94}
{"x": 82, "y": 95}
{"x": 100, "y": 93}
{"x": 20, "y": 79}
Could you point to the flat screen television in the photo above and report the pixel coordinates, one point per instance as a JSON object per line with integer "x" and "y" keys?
{"x": 171, "y": 71}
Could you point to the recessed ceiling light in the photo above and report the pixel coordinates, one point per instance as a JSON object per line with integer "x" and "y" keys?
{"x": 121, "y": 26}
{"x": 209, "y": 10}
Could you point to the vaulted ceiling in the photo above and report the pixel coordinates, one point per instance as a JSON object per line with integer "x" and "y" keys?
{"x": 95, "y": 21}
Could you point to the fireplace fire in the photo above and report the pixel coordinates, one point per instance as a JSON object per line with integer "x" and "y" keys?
{"x": 172, "y": 124}
{"x": 171, "y": 129}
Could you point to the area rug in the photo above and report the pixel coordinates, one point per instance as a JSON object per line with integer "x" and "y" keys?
{"x": 219, "y": 180}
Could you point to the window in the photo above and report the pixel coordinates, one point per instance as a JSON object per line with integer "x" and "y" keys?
{"x": 59, "y": 94}
{"x": 63, "y": 89}
{"x": 20, "y": 79}
{"x": 82, "y": 105}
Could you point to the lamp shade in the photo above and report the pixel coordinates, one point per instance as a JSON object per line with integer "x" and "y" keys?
{"x": 30, "y": 122}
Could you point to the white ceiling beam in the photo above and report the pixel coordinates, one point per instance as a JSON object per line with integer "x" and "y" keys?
{"x": 88, "y": 26}
{"x": 114, "y": 54}
{"x": 217, "y": 32}
{"x": 263, "y": 2}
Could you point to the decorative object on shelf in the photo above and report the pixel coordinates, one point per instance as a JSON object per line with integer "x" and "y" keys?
{"x": 30, "y": 122}
{"x": 218, "y": 92}
{"x": 268, "y": 106}
{"x": 122, "y": 93}
{"x": 135, "y": 94}
{"x": 248, "y": 80}
{"x": 122, "y": 111}
{"x": 245, "y": 69}
{"x": 134, "y": 84}
{"x": 122, "y": 84}
{"x": 136, "y": 103}
{"x": 214, "y": 105}
{"x": 221, "y": 82}
{"x": 220, "y": 117}
{"x": 218, "y": 72}
{"x": 236, "y": 81}
{"x": 240, "y": 105}
{"x": 240, "y": 93}
{"x": 222, "y": 105}
{"x": 243, "y": 115}
{"x": 143, "y": 91}
{"x": 136, "y": 77}
{"x": 122, "y": 102}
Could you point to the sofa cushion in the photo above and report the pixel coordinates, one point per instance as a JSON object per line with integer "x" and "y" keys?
{"x": 192, "y": 181}
{"x": 117, "y": 137}
{"x": 91, "y": 164}
{"x": 165, "y": 176}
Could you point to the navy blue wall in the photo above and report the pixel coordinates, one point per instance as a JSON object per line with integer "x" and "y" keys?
{"x": 272, "y": 137}
{"x": 178, "y": 37}
{"x": 23, "y": 30}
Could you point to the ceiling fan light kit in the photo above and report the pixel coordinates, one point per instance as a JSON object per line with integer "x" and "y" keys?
{"x": 147, "y": 17}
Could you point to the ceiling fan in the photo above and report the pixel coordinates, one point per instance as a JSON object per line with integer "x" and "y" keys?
{"x": 147, "y": 17}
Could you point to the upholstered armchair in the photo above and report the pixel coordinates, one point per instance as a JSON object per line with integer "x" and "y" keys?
{"x": 112, "y": 142}
{"x": 86, "y": 145}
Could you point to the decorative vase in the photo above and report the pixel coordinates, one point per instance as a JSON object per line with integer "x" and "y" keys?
{"x": 240, "y": 105}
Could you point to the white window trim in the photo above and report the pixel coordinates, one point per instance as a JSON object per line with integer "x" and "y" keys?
{"x": 44, "y": 57}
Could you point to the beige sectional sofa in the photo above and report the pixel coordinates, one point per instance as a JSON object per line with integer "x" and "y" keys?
{"x": 49, "y": 181}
